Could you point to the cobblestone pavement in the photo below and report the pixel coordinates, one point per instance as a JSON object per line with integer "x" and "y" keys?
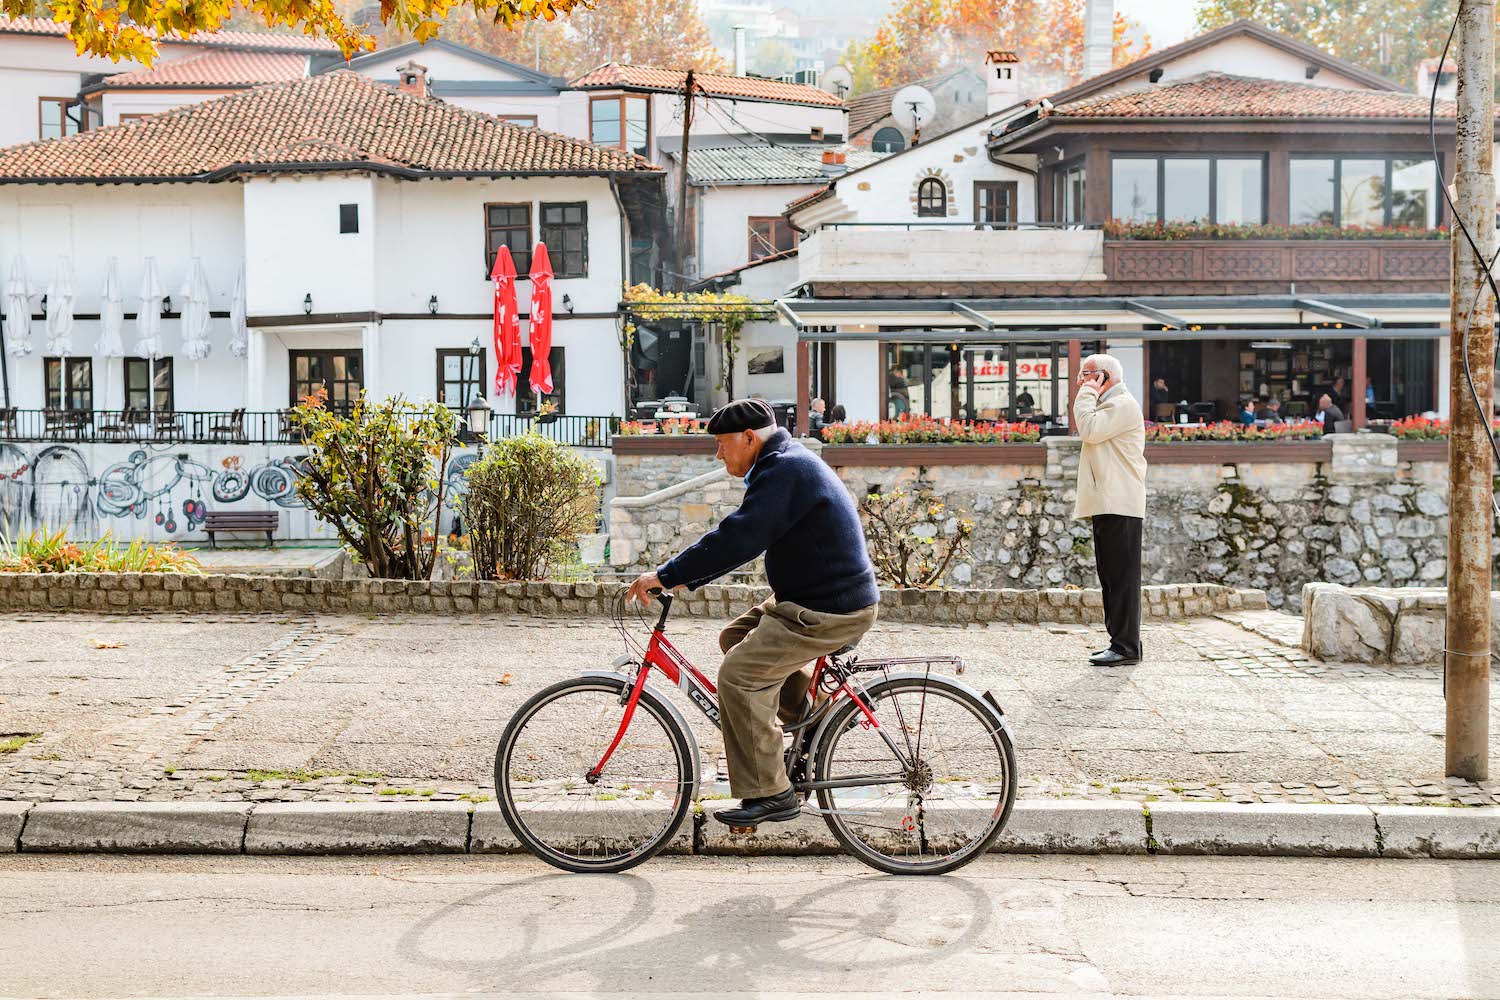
{"x": 261, "y": 708}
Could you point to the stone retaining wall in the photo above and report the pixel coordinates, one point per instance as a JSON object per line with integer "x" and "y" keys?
{"x": 132, "y": 593}
{"x": 1398, "y": 625}
{"x": 1245, "y": 515}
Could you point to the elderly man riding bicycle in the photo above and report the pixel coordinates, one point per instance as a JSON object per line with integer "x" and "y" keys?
{"x": 824, "y": 596}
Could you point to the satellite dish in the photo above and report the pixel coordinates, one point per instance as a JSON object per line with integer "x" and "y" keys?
{"x": 838, "y": 81}
{"x": 913, "y": 107}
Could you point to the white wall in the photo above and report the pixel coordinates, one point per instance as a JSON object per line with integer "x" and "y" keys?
{"x": 441, "y": 64}
{"x": 724, "y": 219}
{"x": 35, "y": 67}
{"x": 722, "y": 116}
{"x": 1131, "y": 358}
{"x": 1444, "y": 387}
{"x": 150, "y": 102}
{"x": 756, "y": 338}
{"x": 565, "y": 113}
{"x": 293, "y": 246}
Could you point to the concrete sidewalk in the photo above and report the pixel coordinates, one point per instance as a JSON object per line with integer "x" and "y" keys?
{"x": 236, "y": 709}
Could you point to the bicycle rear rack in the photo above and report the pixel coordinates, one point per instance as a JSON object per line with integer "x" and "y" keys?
{"x": 855, "y": 665}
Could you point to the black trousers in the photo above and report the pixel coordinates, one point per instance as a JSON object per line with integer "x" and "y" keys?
{"x": 1117, "y": 557}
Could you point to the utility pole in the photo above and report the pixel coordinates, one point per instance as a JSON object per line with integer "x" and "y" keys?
{"x": 682, "y": 182}
{"x": 1466, "y": 661}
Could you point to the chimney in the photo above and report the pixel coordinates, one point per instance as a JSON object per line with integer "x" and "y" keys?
{"x": 1002, "y": 71}
{"x": 1098, "y": 37}
{"x": 833, "y": 162}
{"x": 739, "y": 50}
{"x": 412, "y": 79}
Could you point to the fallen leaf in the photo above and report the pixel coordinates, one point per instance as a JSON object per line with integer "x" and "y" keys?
{"x": 101, "y": 644}
{"x": 505, "y": 679}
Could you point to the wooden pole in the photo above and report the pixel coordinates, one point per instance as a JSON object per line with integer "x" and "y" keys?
{"x": 804, "y": 391}
{"x": 1075, "y": 362}
{"x": 682, "y": 181}
{"x": 1466, "y": 658}
{"x": 1361, "y": 379}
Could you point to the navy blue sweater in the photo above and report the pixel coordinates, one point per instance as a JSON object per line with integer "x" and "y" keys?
{"x": 800, "y": 515}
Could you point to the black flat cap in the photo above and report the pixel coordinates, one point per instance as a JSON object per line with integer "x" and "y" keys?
{"x": 741, "y": 415}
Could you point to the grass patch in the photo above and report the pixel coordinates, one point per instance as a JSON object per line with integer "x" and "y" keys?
{"x": 475, "y": 797}
{"x": 49, "y": 756}
{"x": 427, "y": 793}
{"x": 301, "y": 775}
{"x": 11, "y": 742}
{"x": 398, "y": 791}
{"x": 215, "y": 777}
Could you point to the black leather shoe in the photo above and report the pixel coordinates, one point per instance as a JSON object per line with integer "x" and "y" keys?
{"x": 1110, "y": 658}
{"x": 772, "y": 809}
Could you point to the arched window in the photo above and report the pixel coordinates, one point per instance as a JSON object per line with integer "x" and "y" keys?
{"x": 932, "y": 198}
{"x": 888, "y": 140}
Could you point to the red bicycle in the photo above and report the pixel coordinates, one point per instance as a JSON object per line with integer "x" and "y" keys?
{"x": 913, "y": 771}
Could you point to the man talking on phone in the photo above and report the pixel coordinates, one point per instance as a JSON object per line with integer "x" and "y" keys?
{"x": 1112, "y": 495}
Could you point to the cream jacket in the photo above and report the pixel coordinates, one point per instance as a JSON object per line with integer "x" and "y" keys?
{"x": 1112, "y": 465}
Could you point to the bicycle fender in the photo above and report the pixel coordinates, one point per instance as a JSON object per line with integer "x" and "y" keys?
{"x": 672, "y": 710}
{"x": 984, "y": 698}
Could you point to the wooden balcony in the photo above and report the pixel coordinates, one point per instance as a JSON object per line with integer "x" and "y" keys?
{"x": 1406, "y": 264}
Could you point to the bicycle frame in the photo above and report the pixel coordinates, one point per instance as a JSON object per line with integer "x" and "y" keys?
{"x": 664, "y": 657}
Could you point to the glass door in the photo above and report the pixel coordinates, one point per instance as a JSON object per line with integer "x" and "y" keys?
{"x": 339, "y": 373}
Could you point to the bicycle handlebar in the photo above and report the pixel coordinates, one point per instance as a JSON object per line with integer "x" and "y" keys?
{"x": 666, "y": 606}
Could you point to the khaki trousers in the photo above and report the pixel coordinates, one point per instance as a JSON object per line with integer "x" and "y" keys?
{"x": 768, "y": 654}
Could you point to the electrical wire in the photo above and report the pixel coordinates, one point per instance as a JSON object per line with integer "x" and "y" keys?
{"x": 1488, "y": 279}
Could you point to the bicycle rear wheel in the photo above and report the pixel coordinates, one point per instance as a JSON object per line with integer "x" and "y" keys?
{"x": 631, "y": 811}
{"x": 946, "y": 805}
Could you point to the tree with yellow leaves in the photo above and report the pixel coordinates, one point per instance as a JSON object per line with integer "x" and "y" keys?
{"x": 130, "y": 29}
{"x": 920, "y": 38}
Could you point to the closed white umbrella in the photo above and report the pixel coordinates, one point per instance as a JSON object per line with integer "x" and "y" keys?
{"x": 195, "y": 317}
{"x": 111, "y": 317}
{"x": 148, "y": 317}
{"x": 17, "y": 311}
{"x": 239, "y": 328}
{"x": 61, "y": 293}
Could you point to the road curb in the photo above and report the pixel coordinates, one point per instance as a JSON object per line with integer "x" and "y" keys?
{"x": 1037, "y": 826}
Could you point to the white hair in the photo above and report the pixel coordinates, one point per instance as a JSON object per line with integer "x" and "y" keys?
{"x": 764, "y": 433}
{"x": 1108, "y": 364}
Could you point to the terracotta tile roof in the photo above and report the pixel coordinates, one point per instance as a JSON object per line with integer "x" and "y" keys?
{"x": 666, "y": 80}
{"x": 335, "y": 119}
{"x": 808, "y": 199}
{"x": 221, "y": 68}
{"x": 239, "y": 39}
{"x": 1219, "y": 95}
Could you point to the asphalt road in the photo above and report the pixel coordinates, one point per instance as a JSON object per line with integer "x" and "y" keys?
{"x": 91, "y": 927}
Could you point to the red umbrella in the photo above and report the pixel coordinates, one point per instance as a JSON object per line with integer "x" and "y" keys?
{"x": 541, "y": 320}
{"x": 507, "y": 324}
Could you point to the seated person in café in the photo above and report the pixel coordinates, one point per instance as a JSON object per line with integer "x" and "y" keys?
{"x": 1269, "y": 410}
{"x": 1328, "y": 414}
{"x": 1339, "y": 394}
{"x": 838, "y": 414}
{"x": 815, "y": 418}
{"x": 1025, "y": 404}
{"x": 1247, "y": 413}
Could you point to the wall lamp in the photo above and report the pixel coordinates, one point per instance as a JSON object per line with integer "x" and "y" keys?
{"x": 307, "y": 303}
{"x": 166, "y": 304}
{"x": 432, "y": 306}
{"x": 567, "y": 302}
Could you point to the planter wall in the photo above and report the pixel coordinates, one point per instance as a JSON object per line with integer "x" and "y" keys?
{"x": 1277, "y": 260}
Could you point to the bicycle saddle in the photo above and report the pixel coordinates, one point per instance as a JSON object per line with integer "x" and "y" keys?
{"x": 845, "y": 649}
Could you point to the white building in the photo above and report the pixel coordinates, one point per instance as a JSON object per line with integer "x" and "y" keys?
{"x": 364, "y": 218}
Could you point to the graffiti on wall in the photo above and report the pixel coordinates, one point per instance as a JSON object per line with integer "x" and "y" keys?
{"x": 54, "y": 488}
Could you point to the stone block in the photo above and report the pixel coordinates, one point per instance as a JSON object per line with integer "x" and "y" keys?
{"x": 1417, "y": 637}
{"x": 807, "y": 834}
{"x": 1063, "y": 826}
{"x": 358, "y": 828}
{"x": 12, "y": 818}
{"x": 568, "y": 826}
{"x": 1438, "y": 832}
{"x": 137, "y": 827}
{"x": 1269, "y": 830}
{"x": 1347, "y": 626}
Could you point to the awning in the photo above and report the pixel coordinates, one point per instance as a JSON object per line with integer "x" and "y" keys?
{"x": 1184, "y": 316}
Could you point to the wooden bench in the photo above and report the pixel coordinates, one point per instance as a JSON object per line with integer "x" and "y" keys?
{"x": 242, "y": 520}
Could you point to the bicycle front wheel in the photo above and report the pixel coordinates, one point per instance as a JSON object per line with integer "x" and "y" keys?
{"x": 943, "y": 803}
{"x": 623, "y": 816}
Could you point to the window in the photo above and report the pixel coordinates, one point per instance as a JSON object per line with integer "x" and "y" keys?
{"x": 1014, "y": 381}
{"x": 508, "y": 226}
{"x": 770, "y": 234}
{"x": 932, "y": 198}
{"x": 623, "y": 121}
{"x": 1364, "y": 191}
{"x": 460, "y": 376}
{"x": 525, "y": 121}
{"x": 1188, "y": 189}
{"x": 1068, "y": 197}
{"x": 565, "y": 231}
{"x": 139, "y": 373}
{"x": 340, "y": 373}
{"x": 995, "y": 202}
{"x": 58, "y": 116}
{"x": 348, "y": 218}
{"x": 888, "y": 140}
{"x": 70, "y": 383}
{"x": 525, "y": 399}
